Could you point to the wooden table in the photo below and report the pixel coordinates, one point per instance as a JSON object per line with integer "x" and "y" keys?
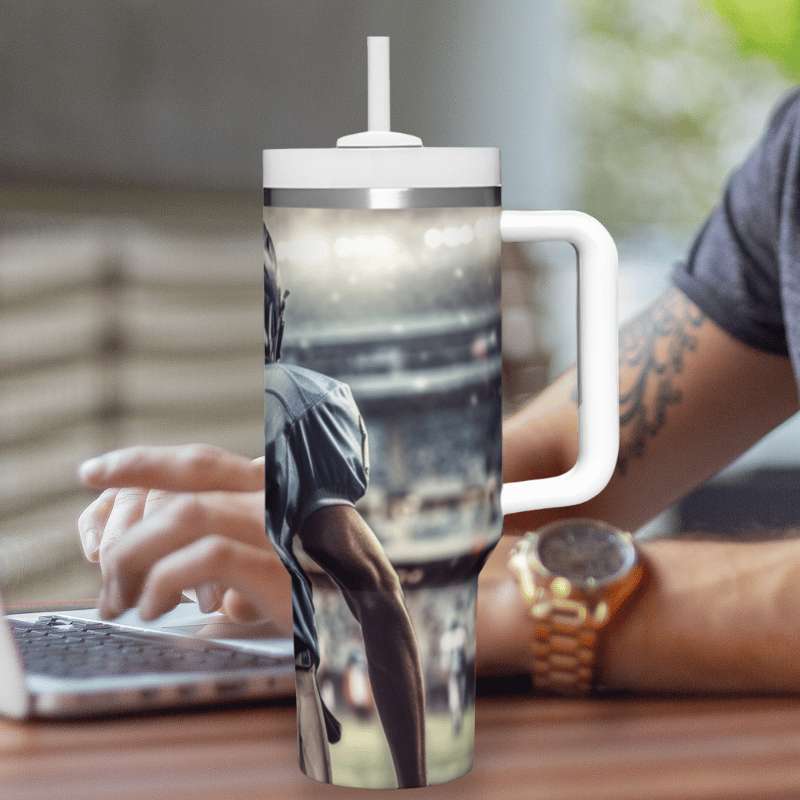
{"x": 526, "y": 748}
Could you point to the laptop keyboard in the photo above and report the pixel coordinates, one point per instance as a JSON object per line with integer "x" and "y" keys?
{"x": 68, "y": 648}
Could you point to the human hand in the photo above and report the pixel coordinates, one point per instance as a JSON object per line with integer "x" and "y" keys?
{"x": 172, "y": 518}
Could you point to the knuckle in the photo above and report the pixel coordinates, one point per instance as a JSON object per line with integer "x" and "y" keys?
{"x": 129, "y": 495}
{"x": 156, "y": 498}
{"x": 112, "y": 566}
{"x": 134, "y": 456}
{"x": 157, "y": 576}
{"x": 201, "y": 456}
{"x": 239, "y": 608}
{"x": 86, "y": 518}
{"x": 115, "y": 556}
{"x": 187, "y": 510}
{"x": 218, "y": 550}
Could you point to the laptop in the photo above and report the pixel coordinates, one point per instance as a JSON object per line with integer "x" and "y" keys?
{"x": 71, "y": 664}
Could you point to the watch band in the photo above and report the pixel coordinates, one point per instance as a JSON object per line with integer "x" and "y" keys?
{"x": 565, "y": 633}
{"x": 564, "y": 647}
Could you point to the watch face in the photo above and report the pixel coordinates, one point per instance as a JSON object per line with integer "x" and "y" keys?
{"x": 587, "y": 554}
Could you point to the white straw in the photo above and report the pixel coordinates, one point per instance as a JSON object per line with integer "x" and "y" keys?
{"x": 378, "y": 84}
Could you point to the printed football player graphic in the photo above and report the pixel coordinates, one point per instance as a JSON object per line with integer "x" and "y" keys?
{"x": 317, "y": 468}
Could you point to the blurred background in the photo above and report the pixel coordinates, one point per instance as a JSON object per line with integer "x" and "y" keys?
{"x": 131, "y": 134}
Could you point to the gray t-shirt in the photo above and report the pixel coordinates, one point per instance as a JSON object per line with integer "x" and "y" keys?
{"x": 743, "y": 269}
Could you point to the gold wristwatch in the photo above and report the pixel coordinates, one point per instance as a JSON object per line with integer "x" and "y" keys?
{"x": 575, "y": 575}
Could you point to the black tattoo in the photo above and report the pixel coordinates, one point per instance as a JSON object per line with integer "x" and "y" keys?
{"x": 655, "y": 344}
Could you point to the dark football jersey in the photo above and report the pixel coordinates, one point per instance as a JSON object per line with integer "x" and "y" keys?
{"x": 316, "y": 455}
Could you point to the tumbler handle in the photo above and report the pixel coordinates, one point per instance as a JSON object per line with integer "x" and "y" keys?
{"x": 598, "y": 364}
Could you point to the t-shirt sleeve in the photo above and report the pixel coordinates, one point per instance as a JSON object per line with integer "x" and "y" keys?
{"x": 732, "y": 272}
{"x": 330, "y": 449}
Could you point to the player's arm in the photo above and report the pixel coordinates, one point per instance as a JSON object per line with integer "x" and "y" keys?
{"x": 339, "y": 540}
{"x": 692, "y": 398}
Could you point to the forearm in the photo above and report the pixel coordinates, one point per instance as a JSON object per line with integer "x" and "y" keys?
{"x": 692, "y": 399}
{"x": 395, "y": 674}
{"x": 711, "y": 617}
{"x": 339, "y": 540}
{"x": 715, "y": 616}
{"x": 542, "y": 440}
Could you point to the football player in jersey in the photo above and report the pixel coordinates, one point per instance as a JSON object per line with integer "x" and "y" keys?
{"x": 316, "y": 469}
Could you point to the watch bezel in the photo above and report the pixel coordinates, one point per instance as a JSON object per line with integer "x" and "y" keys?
{"x": 623, "y": 540}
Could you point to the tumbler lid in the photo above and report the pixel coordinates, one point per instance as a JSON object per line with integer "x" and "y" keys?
{"x": 380, "y": 157}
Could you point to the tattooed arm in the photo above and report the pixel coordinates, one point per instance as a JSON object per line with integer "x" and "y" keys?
{"x": 692, "y": 398}
{"x": 714, "y": 616}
